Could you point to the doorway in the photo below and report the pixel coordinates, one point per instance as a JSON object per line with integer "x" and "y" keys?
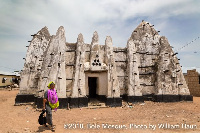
{"x": 92, "y": 84}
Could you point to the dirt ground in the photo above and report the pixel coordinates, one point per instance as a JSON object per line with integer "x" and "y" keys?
{"x": 142, "y": 118}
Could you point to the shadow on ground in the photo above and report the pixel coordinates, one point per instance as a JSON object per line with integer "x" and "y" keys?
{"x": 42, "y": 129}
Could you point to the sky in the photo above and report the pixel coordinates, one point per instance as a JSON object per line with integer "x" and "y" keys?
{"x": 178, "y": 20}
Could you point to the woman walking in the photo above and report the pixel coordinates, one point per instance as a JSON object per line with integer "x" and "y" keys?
{"x": 50, "y": 102}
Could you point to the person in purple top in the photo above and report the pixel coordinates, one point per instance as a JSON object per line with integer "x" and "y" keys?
{"x": 46, "y": 106}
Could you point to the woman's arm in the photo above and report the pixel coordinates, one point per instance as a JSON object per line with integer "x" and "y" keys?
{"x": 44, "y": 101}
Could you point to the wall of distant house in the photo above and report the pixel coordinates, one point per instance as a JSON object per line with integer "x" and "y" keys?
{"x": 6, "y": 80}
{"x": 192, "y": 80}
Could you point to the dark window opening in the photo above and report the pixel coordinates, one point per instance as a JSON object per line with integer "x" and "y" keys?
{"x": 199, "y": 79}
{"x": 92, "y": 84}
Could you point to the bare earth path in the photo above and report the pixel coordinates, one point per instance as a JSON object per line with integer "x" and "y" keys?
{"x": 176, "y": 117}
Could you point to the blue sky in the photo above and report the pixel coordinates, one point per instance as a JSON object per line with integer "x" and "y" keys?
{"x": 178, "y": 20}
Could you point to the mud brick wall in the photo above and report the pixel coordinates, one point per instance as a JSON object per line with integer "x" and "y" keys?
{"x": 192, "y": 79}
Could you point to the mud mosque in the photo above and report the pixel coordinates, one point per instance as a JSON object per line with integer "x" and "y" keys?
{"x": 146, "y": 69}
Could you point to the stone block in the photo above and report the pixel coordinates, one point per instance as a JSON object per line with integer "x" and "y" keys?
{"x": 24, "y": 98}
{"x": 134, "y": 99}
{"x": 186, "y": 98}
{"x": 101, "y": 98}
{"x": 78, "y": 102}
{"x": 39, "y": 102}
{"x": 63, "y": 103}
{"x": 166, "y": 98}
{"x": 114, "y": 102}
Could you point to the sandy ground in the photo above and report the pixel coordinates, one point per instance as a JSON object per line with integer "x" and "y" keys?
{"x": 146, "y": 118}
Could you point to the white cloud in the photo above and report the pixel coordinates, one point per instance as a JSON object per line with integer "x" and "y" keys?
{"x": 117, "y": 18}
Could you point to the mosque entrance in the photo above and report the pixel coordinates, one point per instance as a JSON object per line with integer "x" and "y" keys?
{"x": 96, "y": 88}
{"x": 92, "y": 84}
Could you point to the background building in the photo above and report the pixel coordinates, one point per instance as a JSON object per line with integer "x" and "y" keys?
{"x": 8, "y": 79}
{"x": 192, "y": 78}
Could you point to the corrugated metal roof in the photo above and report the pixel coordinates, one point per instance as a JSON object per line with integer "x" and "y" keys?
{"x": 9, "y": 73}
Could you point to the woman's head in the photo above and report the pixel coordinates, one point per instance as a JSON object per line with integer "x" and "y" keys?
{"x": 51, "y": 85}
